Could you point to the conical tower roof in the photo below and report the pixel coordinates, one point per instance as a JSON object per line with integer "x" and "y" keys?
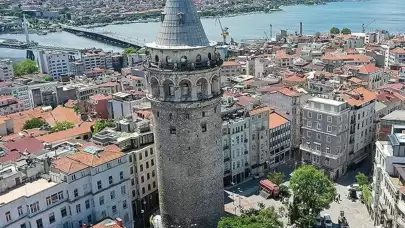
{"x": 181, "y": 25}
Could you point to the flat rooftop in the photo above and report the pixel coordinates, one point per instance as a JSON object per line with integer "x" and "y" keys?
{"x": 26, "y": 190}
{"x": 327, "y": 101}
{"x": 398, "y": 115}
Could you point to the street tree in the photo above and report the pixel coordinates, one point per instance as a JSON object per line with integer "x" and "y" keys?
{"x": 312, "y": 190}
{"x": 264, "y": 218}
{"x": 34, "y": 123}
{"x": 130, "y": 50}
{"x": 62, "y": 125}
{"x": 361, "y": 179}
{"x": 25, "y": 67}
{"x": 346, "y": 31}
{"x": 334, "y": 30}
{"x": 276, "y": 177}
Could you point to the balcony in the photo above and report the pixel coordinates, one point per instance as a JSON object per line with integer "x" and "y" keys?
{"x": 187, "y": 66}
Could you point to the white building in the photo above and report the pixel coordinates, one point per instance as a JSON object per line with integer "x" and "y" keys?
{"x": 259, "y": 144}
{"x": 279, "y": 140}
{"x": 122, "y": 105}
{"x": 235, "y": 143}
{"x": 396, "y": 57}
{"x": 81, "y": 188}
{"x": 373, "y": 76}
{"x": 9, "y": 104}
{"x": 54, "y": 63}
{"x": 6, "y": 70}
{"x": 94, "y": 59}
{"x": 388, "y": 192}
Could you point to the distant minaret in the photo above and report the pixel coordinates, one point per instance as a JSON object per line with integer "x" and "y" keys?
{"x": 25, "y": 25}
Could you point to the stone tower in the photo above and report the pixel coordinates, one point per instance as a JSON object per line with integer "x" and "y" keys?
{"x": 184, "y": 89}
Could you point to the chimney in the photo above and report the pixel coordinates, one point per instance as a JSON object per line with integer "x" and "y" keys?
{"x": 119, "y": 222}
{"x": 301, "y": 28}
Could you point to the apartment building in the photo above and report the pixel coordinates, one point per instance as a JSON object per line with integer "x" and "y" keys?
{"x": 325, "y": 134}
{"x": 122, "y": 104}
{"x": 387, "y": 122}
{"x": 81, "y": 188}
{"x": 373, "y": 76}
{"x": 94, "y": 59}
{"x": 388, "y": 204}
{"x": 236, "y": 146}
{"x": 230, "y": 69}
{"x": 135, "y": 139}
{"x": 362, "y": 126}
{"x": 279, "y": 140}
{"x": 259, "y": 139}
{"x": 54, "y": 63}
{"x": 396, "y": 57}
{"x": 6, "y": 70}
{"x": 9, "y": 104}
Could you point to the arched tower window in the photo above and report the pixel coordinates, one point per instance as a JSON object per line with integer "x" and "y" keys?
{"x": 198, "y": 58}
{"x": 156, "y": 58}
{"x": 215, "y": 89}
{"x": 155, "y": 90}
{"x": 168, "y": 59}
{"x": 168, "y": 88}
{"x": 183, "y": 60}
{"x": 209, "y": 56}
{"x": 202, "y": 88}
{"x": 185, "y": 88}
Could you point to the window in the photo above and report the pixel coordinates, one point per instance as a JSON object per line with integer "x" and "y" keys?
{"x": 123, "y": 190}
{"x": 172, "y": 130}
{"x": 51, "y": 218}
{"x": 87, "y": 203}
{"x": 152, "y": 162}
{"x": 130, "y": 158}
{"x": 154, "y": 184}
{"x": 78, "y": 209}
{"x": 146, "y": 153}
{"x": 114, "y": 209}
{"x": 329, "y": 129}
{"x": 318, "y": 136}
{"x": 34, "y": 207}
{"x": 141, "y": 167}
{"x": 101, "y": 200}
{"x": 89, "y": 219}
{"x": 149, "y": 187}
{"x": 329, "y": 119}
{"x": 39, "y": 223}
{"x": 99, "y": 185}
{"x": 140, "y": 156}
{"x": 76, "y": 192}
{"x": 24, "y": 226}
{"x": 318, "y": 147}
{"x": 142, "y": 179}
{"x": 131, "y": 170}
{"x": 121, "y": 175}
{"x": 318, "y": 126}
{"x": 203, "y": 114}
{"x": 328, "y": 138}
{"x": 204, "y": 127}
{"x": 153, "y": 173}
{"x": 309, "y": 124}
{"x": 147, "y": 165}
{"x": 309, "y": 134}
{"x": 143, "y": 190}
{"x": 110, "y": 179}
{"x": 124, "y": 204}
{"x": 112, "y": 194}
{"x": 63, "y": 212}
{"x": 309, "y": 114}
{"x": 20, "y": 211}
{"x": 151, "y": 151}
{"x": 327, "y": 150}
{"x": 8, "y": 216}
{"x": 319, "y": 116}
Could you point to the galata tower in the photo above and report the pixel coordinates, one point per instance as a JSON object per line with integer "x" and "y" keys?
{"x": 184, "y": 89}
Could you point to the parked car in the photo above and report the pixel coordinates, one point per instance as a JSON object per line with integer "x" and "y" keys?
{"x": 318, "y": 220}
{"x": 258, "y": 175}
{"x": 327, "y": 221}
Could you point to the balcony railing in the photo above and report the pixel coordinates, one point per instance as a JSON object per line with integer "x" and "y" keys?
{"x": 187, "y": 66}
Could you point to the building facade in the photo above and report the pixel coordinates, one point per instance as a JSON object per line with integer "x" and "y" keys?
{"x": 54, "y": 63}
{"x": 184, "y": 91}
{"x": 6, "y": 70}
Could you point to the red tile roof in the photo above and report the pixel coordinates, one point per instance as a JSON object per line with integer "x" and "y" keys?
{"x": 100, "y": 97}
{"x": 289, "y": 92}
{"x": 14, "y": 149}
{"x": 245, "y": 100}
{"x": 368, "y": 69}
{"x": 85, "y": 128}
{"x": 276, "y": 120}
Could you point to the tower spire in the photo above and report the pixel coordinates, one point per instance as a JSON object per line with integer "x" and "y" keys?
{"x": 181, "y": 25}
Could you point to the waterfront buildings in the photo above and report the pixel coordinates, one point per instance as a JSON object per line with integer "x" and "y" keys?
{"x": 6, "y": 70}
{"x": 325, "y": 134}
{"x": 184, "y": 91}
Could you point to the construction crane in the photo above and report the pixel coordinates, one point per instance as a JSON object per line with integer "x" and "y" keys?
{"x": 365, "y": 26}
{"x": 224, "y": 30}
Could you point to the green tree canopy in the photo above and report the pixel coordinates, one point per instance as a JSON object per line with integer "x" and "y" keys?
{"x": 264, "y": 218}
{"x": 276, "y": 177}
{"x": 334, "y": 30}
{"x": 101, "y": 124}
{"x": 62, "y": 125}
{"x": 361, "y": 179}
{"x": 346, "y": 31}
{"x": 48, "y": 78}
{"x": 25, "y": 67}
{"x": 77, "y": 108}
{"x": 130, "y": 50}
{"x": 34, "y": 123}
{"x": 312, "y": 190}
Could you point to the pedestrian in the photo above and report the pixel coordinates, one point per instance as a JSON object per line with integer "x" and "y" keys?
{"x": 339, "y": 197}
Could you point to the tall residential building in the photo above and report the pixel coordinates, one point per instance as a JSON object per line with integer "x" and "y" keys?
{"x": 185, "y": 94}
{"x": 259, "y": 143}
{"x": 325, "y": 134}
{"x": 279, "y": 140}
{"x": 235, "y": 144}
{"x": 388, "y": 204}
{"x": 6, "y": 70}
{"x": 54, "y": 63}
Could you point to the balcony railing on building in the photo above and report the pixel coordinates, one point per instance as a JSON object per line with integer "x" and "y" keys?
{"x": 186, "y": 66}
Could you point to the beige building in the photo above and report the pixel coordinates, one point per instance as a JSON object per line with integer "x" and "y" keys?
{"x": 6, "y": 70}
{"x": 230, "y": 69}
{"x": 9, "y": 104}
